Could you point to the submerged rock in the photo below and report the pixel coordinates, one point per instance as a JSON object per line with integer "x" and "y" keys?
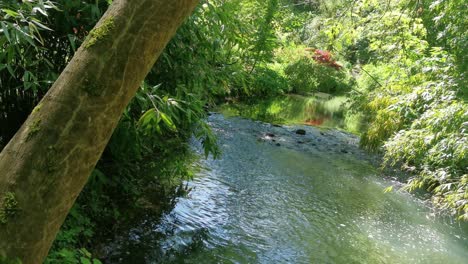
{"x": 300, "y": 132}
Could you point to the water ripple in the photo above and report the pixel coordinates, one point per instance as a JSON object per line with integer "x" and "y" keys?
{"x": 313, "y": 199}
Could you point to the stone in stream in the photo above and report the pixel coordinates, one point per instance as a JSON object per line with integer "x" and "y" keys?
{"x": 270, "y": 134}
{"x": 278, "y": 144}
{"x": 300, "y": 132}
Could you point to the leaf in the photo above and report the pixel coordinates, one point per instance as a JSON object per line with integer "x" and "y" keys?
{"x": 10, "y": 70}
{"x": 26, "y": 36}
{"x": 10, "y": 12}
{"x": 388, "y": 189}
{"x": 37, "y": 22}
{"x": 71, "y": 39}
{"x": 5, "y": 31}
{"x": 168, "y": 121}
{"x": 67, "y": 254}
{"x": 147, "y": 116}
{"x": 85, "y": 260}
{"x": 42, "y": 11}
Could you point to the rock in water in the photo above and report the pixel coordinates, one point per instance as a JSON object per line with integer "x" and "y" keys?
{"x": 300, "y": 132}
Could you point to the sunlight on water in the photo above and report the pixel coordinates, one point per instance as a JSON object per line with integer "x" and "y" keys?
{"x": 279, "y": 197}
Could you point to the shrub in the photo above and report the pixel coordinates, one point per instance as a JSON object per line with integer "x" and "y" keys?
{"x": 306, "y": 75}
{"x": 267, "y": 82}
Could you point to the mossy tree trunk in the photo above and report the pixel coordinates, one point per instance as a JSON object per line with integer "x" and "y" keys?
{"x": 47, "y": 163}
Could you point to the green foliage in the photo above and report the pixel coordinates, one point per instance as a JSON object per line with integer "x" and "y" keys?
{"x": 166, "y": 116}
{"x": 37, "y": 39}
{"x": 141, "y": 157}
{"x": 265, "y": 39}
{"x": 437, "y": 148}
{"x": 446, "y": 24}
{"x": 267, "y": 82}
{"x": 306, "y": 75}
{"x": 410, "y": 85}
{"x": 201, "y": 58}
{"x": 21, "y": 40}
{"x": 407, "y": 78}
{"x": 72, "y": 256}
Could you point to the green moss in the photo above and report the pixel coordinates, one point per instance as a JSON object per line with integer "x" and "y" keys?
{"x": 100, "y": 32}
{"x": 34, "y": 129}
{"x": 8, "y": 208}
{"x": 37, "y": 108}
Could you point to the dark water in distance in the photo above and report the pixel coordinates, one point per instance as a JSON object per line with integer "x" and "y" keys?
{"x": 313, "y": 199}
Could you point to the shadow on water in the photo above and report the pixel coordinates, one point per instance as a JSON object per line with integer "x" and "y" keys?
{"x": 279, "y": 197}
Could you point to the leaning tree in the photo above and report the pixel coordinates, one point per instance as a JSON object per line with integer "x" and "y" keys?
{"x": 46, "y": 164}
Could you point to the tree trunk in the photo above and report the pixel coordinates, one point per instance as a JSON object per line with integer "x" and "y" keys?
{"x": 46, "y": 164}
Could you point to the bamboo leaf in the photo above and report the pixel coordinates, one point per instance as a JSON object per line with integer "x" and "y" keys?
{"x": 168, "y": 121}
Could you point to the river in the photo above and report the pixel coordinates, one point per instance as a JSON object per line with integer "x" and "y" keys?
{"x": 276, "y": 196}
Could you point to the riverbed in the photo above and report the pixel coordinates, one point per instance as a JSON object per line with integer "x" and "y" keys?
{"x": 276, "y": 196}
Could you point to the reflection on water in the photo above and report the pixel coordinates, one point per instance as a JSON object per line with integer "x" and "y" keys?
{"x": 279, "y": 197}
{"x": 310, "y": 110}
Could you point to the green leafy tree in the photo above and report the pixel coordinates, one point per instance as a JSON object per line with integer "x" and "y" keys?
{"x": 64, "y": 137}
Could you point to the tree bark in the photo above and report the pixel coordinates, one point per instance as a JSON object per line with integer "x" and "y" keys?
{"x": 47, "y": 163}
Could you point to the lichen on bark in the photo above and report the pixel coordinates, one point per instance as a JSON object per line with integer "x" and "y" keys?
{"x": 8, "y": 207}
{"x": 37, "y": 108}
{"x": 100, "y": 32}
{"x": 34, "y": 129}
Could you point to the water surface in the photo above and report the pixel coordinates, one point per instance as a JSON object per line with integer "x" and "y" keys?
{"x": 279, "y": 197}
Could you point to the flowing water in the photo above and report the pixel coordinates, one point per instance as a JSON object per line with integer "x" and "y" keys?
{"x": 279, "y": 197}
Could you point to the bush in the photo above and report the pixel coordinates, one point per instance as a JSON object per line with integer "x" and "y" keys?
{"x": 267, "y": 82}
{"x": 306, "y": 75}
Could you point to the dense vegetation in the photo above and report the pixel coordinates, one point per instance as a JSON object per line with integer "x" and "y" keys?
{"x": 412, "y": 88}
{"x": 400, "y": 63}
